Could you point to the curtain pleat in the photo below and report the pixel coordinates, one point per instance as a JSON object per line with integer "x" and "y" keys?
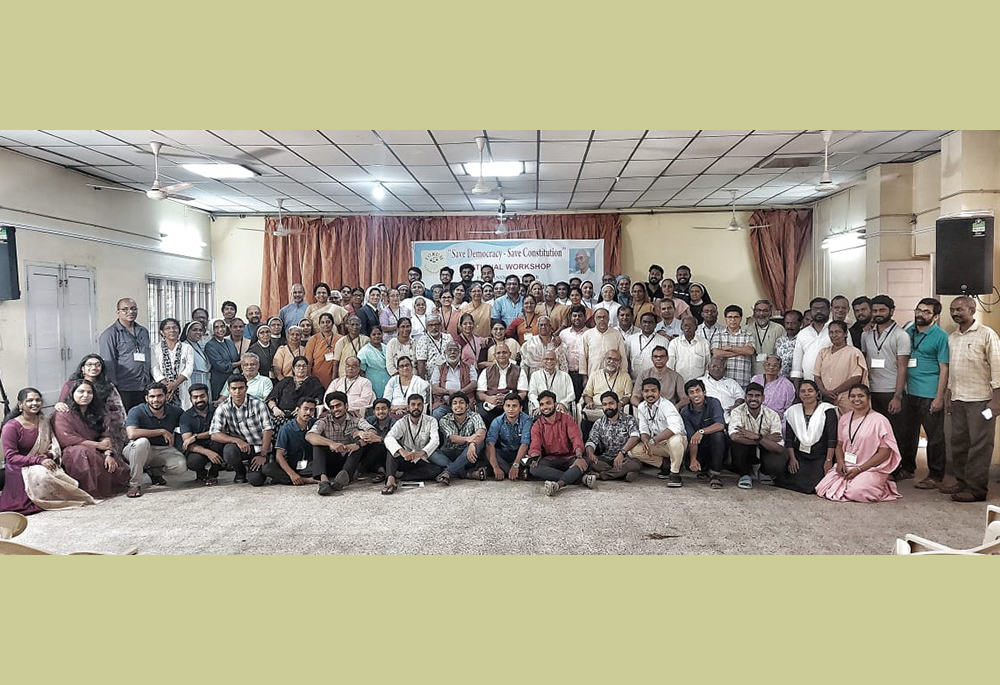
{"x": 779, "y": 239}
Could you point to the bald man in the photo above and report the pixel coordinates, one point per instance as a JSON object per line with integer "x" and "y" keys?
{"x": 293, "y": 312}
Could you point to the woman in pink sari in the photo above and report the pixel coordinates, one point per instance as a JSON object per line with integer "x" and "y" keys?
{"x": 866, "y": 455}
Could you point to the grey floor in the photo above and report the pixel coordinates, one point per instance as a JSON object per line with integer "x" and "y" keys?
{"x": 501, "y": 518}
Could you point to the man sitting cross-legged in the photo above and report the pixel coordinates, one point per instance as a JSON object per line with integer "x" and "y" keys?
{"x": 755, "y": 431}
{"x": 508, "y": 439}
{"x": 409, "y": 444}
{"x": 611, "y": 438}
{"x": 337, "y": 449}
{"x": 293, "y": 455}
{"x": 463, "y": 434}
{"x": 557, "y": 447}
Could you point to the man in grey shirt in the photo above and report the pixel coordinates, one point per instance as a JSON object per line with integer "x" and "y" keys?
{"x": 124, "y": 346}
{"x": 887, "y": 349}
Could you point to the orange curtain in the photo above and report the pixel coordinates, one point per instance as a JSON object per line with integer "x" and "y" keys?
{"x": 779, "y": 239}
{"x": 362, "y": 250}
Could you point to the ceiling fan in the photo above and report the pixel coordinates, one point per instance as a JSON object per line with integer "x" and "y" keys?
{"x": 481, "y": 187}
{"x": 281, "y": 231}
{"x": 501, "y": 230}
{"x": 826, "y": 183}
{"x": 734, "y": 223}
{"x": 156, "y": 191}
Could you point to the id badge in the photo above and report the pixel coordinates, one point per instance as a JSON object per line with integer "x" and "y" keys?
{"x": 528, "y": 336}
{"x": 328, "y": 356}
{"x": 878, "y": 363}
{"x": 850, "y": 458}
{"x": 139, "y": 357}
{"x": 301, "y": 464}
{"x": 762, "y": 357}
{"x": 912, "y": 364}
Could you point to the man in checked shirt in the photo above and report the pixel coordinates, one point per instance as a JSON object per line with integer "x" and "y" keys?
{"x": 242, "y": 424}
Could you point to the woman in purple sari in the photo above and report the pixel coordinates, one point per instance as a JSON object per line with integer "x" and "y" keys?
{"x": 27, "y": 441}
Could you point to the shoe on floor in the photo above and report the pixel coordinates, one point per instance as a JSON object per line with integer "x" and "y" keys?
{"x": 240, "y": 479}
{"x": 702, "y": 475}
{"x": 674, "y": 481}
{"x": 590, "y": 480}
{"x": 766, "y": 479}
{"x": 157, "y": 479}
{"x": 744, "y": 483}
{"x": 952, "y": 489}
{"x": 551, "y": 488}
{"x": 715, "y": 483}
{"x": 631, "y": 477}
{"x": 341, "y": 480}
{"x": 663, "y": 475}
{"x": 201, "y": 475}
{"x": 927, "y": 484}
{"x": 903, "y": 475}
{"x": 325, "y": 488}
{"x": 966, "y": 496}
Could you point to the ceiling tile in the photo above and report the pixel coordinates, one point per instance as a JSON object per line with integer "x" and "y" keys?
{"x": 675, "y": 182}
{"x": 633, "y": 183}
{"x": 456, "y": 136}
{"x": 710, "y": 146}
{"x": 443, "y": 188}
{"x": 596, "y": 184}
{"x": 88, "y": 138}
{"x": 811, "y": 143}
{"x": 660, "y": 149}
{"x": 300, "y": 137}
{"x": 623, "y": 196}
{"x": 751, "y": 181}
{"x": 671, "y": 134}
{"x": 418, "y": 154}
{"x": 594, "y": 196}
{"x": 557, "y": 171}
{"x": 556, "y": 186}
{"x": 352, "y": 137}
{"x": 648, "y": 203}
{"x": 618, "y": 135}
{"x": 390, "y": 173}
{"x": 864, "y": 141}
{"x": 370, "y": 154}
{"x": 277, "y": 156}
{"x": 711, "y": 181}
{"x": 724, "y": 133}
{"x": 610, "y": 151}
{"x": 32, "y": 138}
{"x": 132, "y": 136}
{"x": 862, "y": 162}
{"x": 416, "y": 137}
{"x": 562, "y": 152}
{"x": 126, "y": 153}
{"x": 190, "y": 137}
{"x": 109, "y": 173}
{"x": 659, "y": 196}
{"x": 509, "y": 152}
{"x": 531, "y": 136}
{"x": 759, "y": 145}
{"x": 459, "y": 153}
{"x": 734, "y": 165}
{"x": 692, "y": 195}
{"x": 681, "y": 167}
{"x": 304, "y": 173}
{"x": 330, "y": 189}
{"x": 247, "y": 137}
{"x": 431, "y": 173}
{"x": 600, "y": 169}
{"x": 644, "y": 168}
{"x": 130, "y": 172}
{"x": 85, "y": 156}
{"x": 405, "y": 189}
{"x": 321, "y": 155}
{"x": 566, "y": 135}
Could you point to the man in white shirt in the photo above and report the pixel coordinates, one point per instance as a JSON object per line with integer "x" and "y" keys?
{"x": 668, "y": 326}
{"x": 708, "y": 328}
{"x": 718, "y": 385}
{"x": 550, "y": 377}
{"x": 359, "y": 390}
{"x": 755, "y": 434}
{"x": 496, "y": 380}
{"x": 409, "y": 444}
{"x": 258, "y": 386}
{"x": 811, "y": 340}
{"x": 640, "y": 345}
{"x": 689, "y": 352}
{"x": 626, "y": 321}
{"x": 662, "y": 437}
{"x": 598, "y": 341}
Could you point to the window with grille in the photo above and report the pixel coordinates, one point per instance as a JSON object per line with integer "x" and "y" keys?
{"x": 177, "y": 299}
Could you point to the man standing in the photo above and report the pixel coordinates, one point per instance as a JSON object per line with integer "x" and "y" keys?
{"x": 449, "y": 378}
{"x": 557, "y": 446}
{"x": 708, "y": 328}
{"x": 755, "y": 432}
{"x": 784, "y": 347}
{"x": 496, "y": 381}
{"x": 242, "y": 425}
{"x": 124, "y": 346}
{"x": 486, "y": 273}
{"x": 409, "y": 444}
{"x": 446, "y": 275}
{"x": 974, "y": 389}
{"x": 204, "y": 457}
{"x": 463, "y": 436}
{"x": 839, "y": 307}
{"x": 926, "y": 388}
{"x": 348, "y": 346}
{"x": 572, "y": 339}
{"x": 414, "y": 274}
{"x": 337, "y": 448}
{"x": 764, "y": 333}
{"x": 150, "y": 428}
{"x": 719, "y": 386}
{"x": 597, "y": 342}
{"x": 640, "y": 345}
{"x": 862, "y": 317}
{"x": 681, "y": 308}
{"x": 683, "y": 285}
{"x": 810, "y": 340}
{"x": 508, "y": 439}
{"x": 735, "y": 347}
{"x": 626, "y": 321}
{"x": 466, "y": 272}
{"x": 253, "y": 322}
{"x": 689, "y": 353}
{"x": 887, "y": 349}
{"x": 653, "y": 289}
{"x": 661, "y": 432}
{"x": 610, "y": 442}
{"x": 668, "y": 327}
{"x": 293, "y": 312}
{"x": 293, "y": 455}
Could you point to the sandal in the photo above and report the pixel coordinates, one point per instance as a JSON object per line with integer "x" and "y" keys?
{"x": 211, "y": 480}
{"x": 481, "y": 473}
{"x": 378, "y": 477}
{"x": 389, "y": 489}
{"x": 134, "y": 491}
{"x": 744, "y": 483}
{"x": 715, "y": 483}
{"x": 444, "y": 478}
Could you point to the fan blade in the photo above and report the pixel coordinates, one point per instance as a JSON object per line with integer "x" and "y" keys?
{"x": 711, "y": 228}
{"x": 177, "y": 187}
{"x": 129, "y": 190}
{"x": 182, "y": 198}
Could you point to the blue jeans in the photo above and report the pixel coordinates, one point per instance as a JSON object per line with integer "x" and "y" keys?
{"x": 455, "y": 460}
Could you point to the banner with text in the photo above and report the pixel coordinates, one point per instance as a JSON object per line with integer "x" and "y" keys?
{"x": 549, "y": 260}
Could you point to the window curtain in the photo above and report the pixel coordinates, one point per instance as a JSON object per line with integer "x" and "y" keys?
{"x": 363, "y": 250}
{"x": 779, "y": 239}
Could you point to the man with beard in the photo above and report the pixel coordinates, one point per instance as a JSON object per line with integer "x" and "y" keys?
{"x": 862, "y": 317}
{"x": 449, "y": 378}
{"x": 463, "y": 434}
{"x": 466, "y": 272}
{"x": 671, "y": 382}
{"x": 887, "y": 349}
{"x": 381, "y": 423}
{"x": 926, "y": 388}
{"x": 810, "y": 340}
{"x": 784, "y": 347}
{"x": 755, "y": 432}
{"x": 683, "y": 283}
{"x": 612, "y": 378}
{"x": 414, "y": 274}
{"x": 253, "y": 322}
{"x": 610, "y": 440}
{"x": 653, "y": 289}
{"x": 661, "y": 434}
{"x": 204, "y": 457}
{"x": 764, "y": 333}
{"x": 557, "y": 448}
{"x": 293, "y": 455}
{"x": 337, "y": 448}
{"x": 150, "y": 429}
{"x": 409, "y": 444}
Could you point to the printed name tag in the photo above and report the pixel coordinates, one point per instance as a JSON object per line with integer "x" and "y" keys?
{"x": 912, "y": 364}
{"x": 328, "y": 356}
{"x": 301, "y": 464}
{"x": 850, "y": 458}
{"x": 878, "y": 363}
{"x": 762, "y": 357}
{"x": 139, "y": 357}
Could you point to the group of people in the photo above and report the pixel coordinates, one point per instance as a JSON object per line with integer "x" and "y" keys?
{"x": 562, "y": 383}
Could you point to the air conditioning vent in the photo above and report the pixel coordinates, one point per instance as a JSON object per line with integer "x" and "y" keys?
{"x": 789, "y": 162}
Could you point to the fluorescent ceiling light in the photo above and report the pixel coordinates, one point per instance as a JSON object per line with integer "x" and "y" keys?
{"x": 496, "y": 169}
{"x": 845, "y": 240}
{"x": 220, "y": 170}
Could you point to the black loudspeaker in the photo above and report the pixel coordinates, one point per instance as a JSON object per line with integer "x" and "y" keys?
{"x": 965, "y": 256}
{"x": 10, "y": 288}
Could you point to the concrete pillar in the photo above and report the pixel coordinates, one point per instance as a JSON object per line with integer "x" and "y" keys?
{"x": 888, "y": 231}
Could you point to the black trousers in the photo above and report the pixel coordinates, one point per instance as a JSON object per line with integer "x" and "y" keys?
{"x": 711, "y": 451}
{"x": 199, "y": 462}
{"x": 277, "y": 474}
{"x": 745, "y": 456}
{"x": 132, "y": 398}
{"x": 489, "y": 415}
{"x": 579, "y": 381}
{"x": 330, "y": 462}
{"x": 3, "y": 477}
{"x": 880, "y": 403}
{"x": 408, "y": 470}
{"x": 558, "y": 468}
{"x": 916, "y": 413}
{"x": 236, "y": 459}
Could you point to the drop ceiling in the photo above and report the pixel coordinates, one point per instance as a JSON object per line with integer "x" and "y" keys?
{"x": 421, "y": 171}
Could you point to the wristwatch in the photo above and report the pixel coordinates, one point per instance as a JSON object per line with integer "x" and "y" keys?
{"x": 701, "y": 430}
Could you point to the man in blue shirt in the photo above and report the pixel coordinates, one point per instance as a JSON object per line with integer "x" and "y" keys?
{"x": 926, "y": 391}
{"x": 508, "y": 439}
{"x": 293, "y": 312}
{"x": 508, "y": 307}
{"x": 292, "y": 463}
{"x": 705, "y": 425}
{"x": 150, "y": 428}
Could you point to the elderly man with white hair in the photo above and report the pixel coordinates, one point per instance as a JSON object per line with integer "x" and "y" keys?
{"x": 258, "y": 385}
{"x": 551, "y": 377}
{"x": 359, "y": 391}
{"x": 429, "y": 348}
{"x": 451, "y": 377}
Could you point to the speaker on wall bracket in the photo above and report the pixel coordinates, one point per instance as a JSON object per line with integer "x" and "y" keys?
{"x": 10, "y": 288}
{"x": 964, "y": 255}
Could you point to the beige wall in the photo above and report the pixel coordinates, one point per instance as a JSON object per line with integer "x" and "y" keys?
{"x": 116, "y": 234}
{"x": 720, "y": 259}
{"x": 238, "y": 254}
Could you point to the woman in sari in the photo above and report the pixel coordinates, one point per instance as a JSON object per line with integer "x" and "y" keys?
{"x": 779, "y": 392}
{"x": 458, "y": 294}
{"x": 468, "y": 341}
{"x": 373, "y": 361}
{"x": 449, "y": 314}
{"x": 641, "y": 303}
{"x": 107, "y": 400}
{"x": 810, "y": 438}
{"x": 498, "y": 334}
{"x": 525, "y": 326}
{"x": 608, "y": 302}
{"x": 286, "y": 393}
{"x": 222, "y": 356}
{"x": 623, "y": 288}
{"x": 27, "y": 441}
{"x": 866, "y": 455}
{"x": 319, "y": 350}
{"x": 479, "y": 310}
{"x": 418, "y": 321}
{"x": 390, "y": 316}
{"x": 699, "y": 298}
{"x": 286, "y": 354}
{"x": 323, "y": 305}
{"x": 839, "y": 367}
{"x": 400, "y": 346}
{"x": 173, "y": 363}
{"x": 192, "y": 335}
{"x": 87, "y": 453}
{"x": 369, "y": 313}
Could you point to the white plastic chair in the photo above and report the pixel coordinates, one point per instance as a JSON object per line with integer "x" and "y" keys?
{"x": 913, "y": 544}
{"x": 12, "y": 524}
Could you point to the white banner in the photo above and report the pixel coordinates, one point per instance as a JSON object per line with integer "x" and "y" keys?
{"x": 549, "y": 260}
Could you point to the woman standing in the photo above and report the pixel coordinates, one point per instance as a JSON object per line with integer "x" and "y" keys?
{"x": 641, "y": 303}
{"x": 373, "y": 361}
{"x": 193, "y": 333}
{"x": 369, "y": 313}
{"x": 173, "y": 363}
{"x": 107, "y": 400}
{"x": 319, "y": 350}
{"x": 839, "y": 367}
{"x": 305, "y": 327}
{"x": 589, "y": 301}
{"x": 390, "y": 316}
{"x": 87, "y": 455}
{"x": 236, "y": 329}
{"x": 479, "y": 309}
{"x": 467, "y": 339}
{"x": 449, "y": 314}
{"x": 525, "y": 326}
{"x": 277, "y": 326}
{"x": 811, "y": 440}
{"x": 699, "y": 298}
{"x": 400, "y": 346}
{"x": 609, "y": 302}
{"x": 222, "y": 357}
{"x": 419, "y": 319}
{"x": 323, "y": 305}
{"x": 265, "y": 351}
{"x": 866, "y": 455}
{"x": 488, "y": 293}
{"x": 284, "y": 356}
{"x": 458, "y": 295}
{"x": 498, "y": 334}
{"x": 27, "y": 441}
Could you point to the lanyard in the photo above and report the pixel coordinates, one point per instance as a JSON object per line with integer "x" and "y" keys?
{"x": 642, "y": 348}
{"x": 355, "y": 344}
{"x": 885, "y": 337}
{"x": 451, "y": 315}
{"x": 529, "y": 324}
{"x": 437, "y": 346}
{"x": 851, "y": 433}
{"x": 471, "y": 342}
{"x": 711, "y": 340}
{"x": 329, "y": 343}
{"x": 549, "y": 380}
{"x": 760, "y": 338}
{"x": 510, "y": 428}
{"x": 347, "y": 388}
{"x": 913, "y": 337}
{"x": 405, "y": 390}
{"x": 409, "y": 430}
{"x": 651, "y": 411}
{"x": 611, "y": 385}
{"x": 135, "y": 338}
